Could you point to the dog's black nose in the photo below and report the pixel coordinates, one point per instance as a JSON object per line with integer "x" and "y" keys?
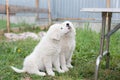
{"x": 67, "y": 25}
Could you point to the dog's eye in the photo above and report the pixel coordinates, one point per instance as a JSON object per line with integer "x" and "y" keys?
{"x": 61, "y": 28}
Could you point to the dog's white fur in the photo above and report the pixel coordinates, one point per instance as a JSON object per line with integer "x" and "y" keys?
{"x": 44, "y": 54}
{"x": 67, "y": 47}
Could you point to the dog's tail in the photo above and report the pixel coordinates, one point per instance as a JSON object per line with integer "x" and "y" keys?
{"x": 17, "y": 70}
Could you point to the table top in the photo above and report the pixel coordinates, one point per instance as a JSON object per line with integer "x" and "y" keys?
{"x": 114, "y": 10}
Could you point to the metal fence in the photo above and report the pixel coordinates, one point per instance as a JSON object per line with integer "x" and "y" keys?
{"x": 59, "y": 9}
{"x": 71, "y": 8}
{"x": 67, "y": 8}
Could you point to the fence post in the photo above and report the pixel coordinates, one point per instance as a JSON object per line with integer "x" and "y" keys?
{"x": 108, "y": 6}
{"x": 8, "y": 16}
{"x": 108, "y": 3}
{"x": 49, "y": 12}
{"x": 37, "y": 6}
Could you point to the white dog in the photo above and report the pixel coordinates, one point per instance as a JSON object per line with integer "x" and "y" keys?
{"x": 67, "y": 47}
{"x": 42, "y": 56}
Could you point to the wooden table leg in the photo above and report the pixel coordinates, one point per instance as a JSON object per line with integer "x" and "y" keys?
{"x": 108, "y": 40}
{"x": 104, "y": 14}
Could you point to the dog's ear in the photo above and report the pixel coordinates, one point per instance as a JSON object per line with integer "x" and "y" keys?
{"x": 55, "y": 36}
{"x": 54, "y": 32}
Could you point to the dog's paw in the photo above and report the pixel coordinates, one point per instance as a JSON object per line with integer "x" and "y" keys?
{"x": 43, "y": 74}
{"x": 65, "y": 69}
{"x": 69, "y": 66}
{"x": 61, "y": 71}
{"x": 51, "y": 73}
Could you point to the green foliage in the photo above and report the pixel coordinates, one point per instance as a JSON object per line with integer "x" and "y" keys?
{"x": 2, "y": 24}
{"x": 85, "y": 54}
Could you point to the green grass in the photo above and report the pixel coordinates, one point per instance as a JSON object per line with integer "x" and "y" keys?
{"x": 85, "y": 54}
{"x": 13, "y": 25}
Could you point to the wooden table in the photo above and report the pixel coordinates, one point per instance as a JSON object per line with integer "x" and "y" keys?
{"x": 106, "y": 12}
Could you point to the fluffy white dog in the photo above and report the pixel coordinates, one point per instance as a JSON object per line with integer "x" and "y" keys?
{"x": 67, "y": 47}
{"x": 43, "y": 56}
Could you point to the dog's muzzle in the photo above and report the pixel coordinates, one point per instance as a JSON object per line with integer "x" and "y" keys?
{"x": 68, "y": 25}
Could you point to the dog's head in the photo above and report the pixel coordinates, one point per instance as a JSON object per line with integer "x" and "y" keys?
{"x": 70, "y": 26}
{"x": 56, "y": 31}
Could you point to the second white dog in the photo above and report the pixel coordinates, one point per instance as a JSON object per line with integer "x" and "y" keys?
{"x": 42, "y": 56}
{"x": 67, "y": 47}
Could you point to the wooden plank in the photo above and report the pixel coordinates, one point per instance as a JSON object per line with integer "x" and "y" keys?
{"x": 21, "y": 9}
{"x": 74, "y": 19}
{"x": 3, "y": 9}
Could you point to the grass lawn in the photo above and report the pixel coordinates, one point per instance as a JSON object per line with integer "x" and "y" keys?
{"x": 13, "y": 25}
{"x": 85, "y": 54}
